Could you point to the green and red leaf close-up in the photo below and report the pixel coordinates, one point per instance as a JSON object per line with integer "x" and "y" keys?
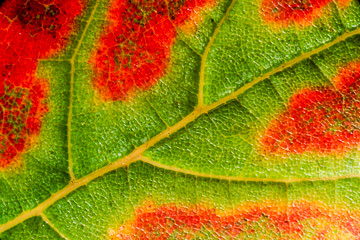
{"x": 179, "y": 119}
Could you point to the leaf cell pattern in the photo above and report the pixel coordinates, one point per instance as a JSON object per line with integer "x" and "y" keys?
{"x": 21, "y": 112}
{"x": 190, "y": 119}
{"x": 321, "y": 120}
{"x": 140, "y": 53}
{"x": 269, "y": 221}
{"x": 302, "y": 12}
{"x": 41, "y": 29}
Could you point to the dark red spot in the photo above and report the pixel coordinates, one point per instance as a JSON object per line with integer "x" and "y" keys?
{"x": 30, "y": 30}
{"x": 323, "y": 120}
{"x": 37, "y": 28}
{"x": 172, "y": 222}
{"x": 302, "y": 12}
{"x": 134, "y": 51}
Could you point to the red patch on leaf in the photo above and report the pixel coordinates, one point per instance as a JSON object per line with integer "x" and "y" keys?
{"x": 30, "y": 30}
{"x": 324, "y": 120}
{"x": 22, "y": 109}
{"x": 134, "y": 51}
{"x": 302, "y": 12}
{"x": 172, "y": 222}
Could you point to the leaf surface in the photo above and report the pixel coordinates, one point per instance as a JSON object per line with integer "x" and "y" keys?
{"x": 249, "y": 131}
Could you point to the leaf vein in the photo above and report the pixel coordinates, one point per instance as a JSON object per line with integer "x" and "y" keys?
{"x": 198, "y": 111}
{"x": 206, "y": 52}
{"x": 72, "y": 74}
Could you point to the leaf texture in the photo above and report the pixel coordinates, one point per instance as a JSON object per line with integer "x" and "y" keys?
{"x": 207, "y": 119}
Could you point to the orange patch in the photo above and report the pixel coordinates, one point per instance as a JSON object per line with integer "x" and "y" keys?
{"x": 172, "y": 222}
{"x": 324, "y": 120}
{"x": 302, "y": 12}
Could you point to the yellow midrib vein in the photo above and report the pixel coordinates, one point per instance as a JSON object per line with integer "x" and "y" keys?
{"x": 137, "y": 153}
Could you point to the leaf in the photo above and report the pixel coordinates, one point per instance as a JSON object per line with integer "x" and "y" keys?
{"x": 179, "y": 119}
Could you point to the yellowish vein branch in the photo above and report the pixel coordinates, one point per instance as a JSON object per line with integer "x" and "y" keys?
{"x": 206, "y": 53}
{"x": 45, "y": 219}
{"x": 281, "y": 68}
{"x": 72, "y": 74}
{"x": 63, "y": 192}
{"x": 137, "y": 154}
{"x": 243, "y": 179}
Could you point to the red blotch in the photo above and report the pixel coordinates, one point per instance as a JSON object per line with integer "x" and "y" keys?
{"x": 134, "y": 51}
{"x": 303, "y": 12}
{"x": 324, "y": 120}
{"x": 169, "y": 221}
{"x": 30, "y": 30}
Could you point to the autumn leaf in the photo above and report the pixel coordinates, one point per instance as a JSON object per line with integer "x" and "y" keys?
{"x": 179, "y": 119}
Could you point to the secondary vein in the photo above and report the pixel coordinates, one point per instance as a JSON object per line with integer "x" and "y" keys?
{"x": 206, "y": 52}
{"x": 137, "y": 154}
{"x": 72, "y": 74}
